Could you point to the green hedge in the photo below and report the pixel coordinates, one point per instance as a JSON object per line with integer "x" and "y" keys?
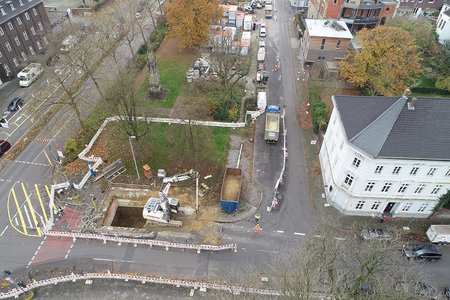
{"x": 429, "y": 90}
{"x": 318, "y": 110}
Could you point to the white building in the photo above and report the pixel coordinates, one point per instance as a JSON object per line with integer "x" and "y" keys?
{"x": 443, "y": 24}
{"x": 299, "y": 4}
{"x": 386, "y": 155}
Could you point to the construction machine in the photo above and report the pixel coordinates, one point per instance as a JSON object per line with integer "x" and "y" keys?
{"x": 160, "y": 210}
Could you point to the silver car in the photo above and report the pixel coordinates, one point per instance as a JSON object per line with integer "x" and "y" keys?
{"x": 375, "y": 234}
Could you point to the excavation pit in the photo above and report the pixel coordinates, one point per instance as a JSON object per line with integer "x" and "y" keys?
{"x": 125, "y": 213}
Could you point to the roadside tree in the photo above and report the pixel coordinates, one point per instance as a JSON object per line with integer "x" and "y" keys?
{"x": 443, "y": 67}
{"x": 189, "y": 20}
{"x": 387, "y": 63}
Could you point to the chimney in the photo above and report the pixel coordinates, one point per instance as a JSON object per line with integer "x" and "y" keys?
{"x": 406, "y": 93}
{"x": 412, "y": 104}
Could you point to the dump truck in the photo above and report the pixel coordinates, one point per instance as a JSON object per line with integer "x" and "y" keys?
{"x": 231, "y": 190}
{"x": 272, "y": 129}
{"x": 439, "y": 234}
{"x": 268, "y": 11}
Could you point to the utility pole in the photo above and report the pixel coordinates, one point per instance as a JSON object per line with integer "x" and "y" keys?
{"x": 196, "y": 193}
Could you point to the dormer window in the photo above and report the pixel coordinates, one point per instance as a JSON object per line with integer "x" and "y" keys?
{"x": 21, "y": 2}
{"x": 2, "y": 10}
{"x": 11, "y": 5}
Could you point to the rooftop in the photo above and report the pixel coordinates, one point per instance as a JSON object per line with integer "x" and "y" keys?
{"x": 328, "y": 28}
{"x": 386, "y": 127}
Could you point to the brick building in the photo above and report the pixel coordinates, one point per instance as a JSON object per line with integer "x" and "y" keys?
{"x": 357, "y": 14}
{"x": 23, "y": 26}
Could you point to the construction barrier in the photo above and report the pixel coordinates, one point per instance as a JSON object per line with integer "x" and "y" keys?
{"x": 151, "y": 243}
{"x": 15, "y": 292}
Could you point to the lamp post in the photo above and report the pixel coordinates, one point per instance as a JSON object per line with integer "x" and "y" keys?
{"x": 134, "y": 157}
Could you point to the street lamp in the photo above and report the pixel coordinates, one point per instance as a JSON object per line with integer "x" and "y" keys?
{"x": 134, "y": 157}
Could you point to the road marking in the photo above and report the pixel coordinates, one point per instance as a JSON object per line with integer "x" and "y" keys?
{"x": 41, "y": 203}
{"x": 31, "y": 163}
{"x": 280, "y": 231}
{"x": 300, "y": 233}
{"x": 48, "y": 158}
{"x": 112, "y": 260}
{"x": 3, "y": 232}
{"x": 31, "y": 210}
{"x": 28, "y": 217}
{"x": 19, "y": 211}
{"x": 267, "y": 251}
{"x": 340, "y": 239}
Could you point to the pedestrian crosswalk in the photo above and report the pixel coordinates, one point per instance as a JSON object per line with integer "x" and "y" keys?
{"x": 28, "y": 208}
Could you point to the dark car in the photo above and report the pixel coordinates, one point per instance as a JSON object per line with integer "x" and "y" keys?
{"x": 375, "y": 234}
{"x": 4, "y": 147}
{"x": 447, "y": 292}
{"x": 15, "y": 104}
{"x": 429, "y": 252}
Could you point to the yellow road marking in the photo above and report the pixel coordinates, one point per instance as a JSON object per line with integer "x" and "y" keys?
{"x": 41, "y": 203}
{"x": 19, "y": 211}
{"x": 31, "y": 210}
{"x": 48, "y": 158}
{"x": 48, "y": 193}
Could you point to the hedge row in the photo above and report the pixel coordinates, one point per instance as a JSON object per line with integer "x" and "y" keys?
{"x": 318, "y": 110}
{"x": 429, "y": 90}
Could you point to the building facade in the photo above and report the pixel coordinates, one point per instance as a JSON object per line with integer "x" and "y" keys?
{"x": 357, "y": 14}
{"x": 418, "y": 7}
{"x": 443, "y": 24}
{"x": 23, "y": 26}
{"x": 324, "y": 40}
{"x": 386, "y": 155}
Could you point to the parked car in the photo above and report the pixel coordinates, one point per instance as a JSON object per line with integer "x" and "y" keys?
{"x": 15, "y": 104}
{"x": 262, "y": 30}
{"x": 447, "y": 292}
{"x": 430, "y": 252}
{"x": 4, "y": 147}
{"x": 375, "y": 234}
{"x": 422, "y": 289}
{"x": 262, "y": 44}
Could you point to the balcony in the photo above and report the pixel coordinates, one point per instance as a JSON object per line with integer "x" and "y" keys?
{"x": 360, "y": 20}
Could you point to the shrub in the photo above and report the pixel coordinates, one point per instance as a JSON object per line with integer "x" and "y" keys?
{"x": 225, "y": 107}
{"x": 318, "y": 110}
{"x": 71, "y": 150}
{"x": 429, "y": 90}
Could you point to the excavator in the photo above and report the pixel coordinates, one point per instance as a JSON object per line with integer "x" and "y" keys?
{"x": 160, "y": 210}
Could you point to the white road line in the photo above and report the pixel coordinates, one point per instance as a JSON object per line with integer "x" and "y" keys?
{"x": 280, "y": 231}
{"x": 340, "y": 239}
{"x": 300, "y": 233}
{"x": 28, "y": 216}
{"x": 3, "y": 232}
{"x": 112, "y": 260}
{"x": 317, "y": 236}
{"x": 267, "y": 251}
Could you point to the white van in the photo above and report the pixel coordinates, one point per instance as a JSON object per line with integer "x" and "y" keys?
{"x": 28, "y": 75}
{"x": 262, "y": 30}
{"x": 261, "y": 54}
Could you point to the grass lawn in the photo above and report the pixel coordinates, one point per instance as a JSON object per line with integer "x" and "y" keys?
{"x": 173, "y": 77}
{"x": 425, "y": 82}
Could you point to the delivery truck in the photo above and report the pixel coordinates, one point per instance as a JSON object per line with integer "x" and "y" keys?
{"x": 28, "y": 75}
{"x": 272, "y": 128}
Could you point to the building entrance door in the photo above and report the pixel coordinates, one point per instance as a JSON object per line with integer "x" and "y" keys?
{"x": 389, "y": 207}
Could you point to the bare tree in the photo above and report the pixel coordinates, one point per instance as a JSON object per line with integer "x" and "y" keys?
{"x": 123, "y": 96}
{"x": 228, "y": 58}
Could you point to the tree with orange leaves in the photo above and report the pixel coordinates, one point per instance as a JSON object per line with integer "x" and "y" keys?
{"x": 387, "y": 63}
{"x": 189, "y": 20}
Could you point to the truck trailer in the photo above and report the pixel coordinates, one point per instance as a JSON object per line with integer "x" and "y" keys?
{"x": 231, "y": 190}
{"x": 272, "y": 128}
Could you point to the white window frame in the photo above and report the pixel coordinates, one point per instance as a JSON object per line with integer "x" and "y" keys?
{"x": 27, "y": 16}
{"x": 378, "y": 169}
{"x": 16, "y": 62}
{"x": 33, "y": 31}
{"x": 349, "y": 179}
{"x": 419, "y": 188}
{"x": 1, "y": 31}
{"x": 431, "y": 171}
{"x": 396, "y": 170}
{"x": 356, "y": 162}
{"x": 407, "y": 206}
{"x": 403, "y": 188}
{"x": 360, "y": 204}
{"x": 39, "y": 45}
{"x": 8, "y": 46}
{"x": 375, "y": 205}
{"x": 423, "y": 207}
{"x": 31, "y": 50}
{"x": 436, "y": 189}
{"x": 17, "y": 40}
{"x": 7, "y": 69}
{"x": 19, "y": 21}
{"x": 41, "y": 28}
{"x": 10, "y": 26}
{"x": 25, "y": 35}
{"x": 34, "y": 11}
{"x": 24, "y": 55}
{"x": 369, "y": 186}
{"x": 386, "y": 187}
{"x": 1, "y": 54}
{"x": 414, "y": 171}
